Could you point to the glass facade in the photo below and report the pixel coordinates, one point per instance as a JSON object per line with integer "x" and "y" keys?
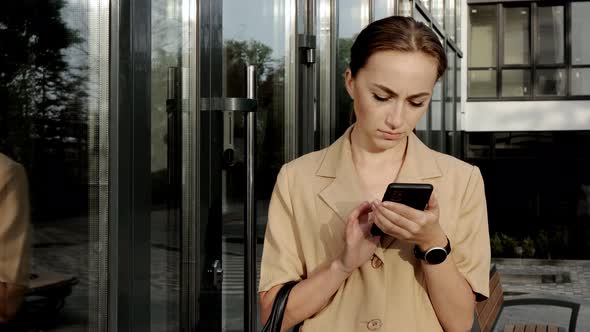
{"x": 54, "y": 121}
{"x": 134, "y": 121}
{"x": 552, "y": 214}
{"x": 541, "y": 53}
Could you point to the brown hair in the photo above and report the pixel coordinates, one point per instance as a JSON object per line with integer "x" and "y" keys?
{"x": 396, "y": 33}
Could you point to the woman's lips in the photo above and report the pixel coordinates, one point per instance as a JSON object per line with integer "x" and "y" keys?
{"x": 390, "y": 135}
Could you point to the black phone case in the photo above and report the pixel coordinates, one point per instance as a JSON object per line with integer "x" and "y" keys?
{"x": 414, "y": 195}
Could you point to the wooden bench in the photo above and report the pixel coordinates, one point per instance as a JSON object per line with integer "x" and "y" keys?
{"x": 488, "y": 311}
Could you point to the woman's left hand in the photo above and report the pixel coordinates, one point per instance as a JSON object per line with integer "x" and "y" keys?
{"x": 411, "y": 225}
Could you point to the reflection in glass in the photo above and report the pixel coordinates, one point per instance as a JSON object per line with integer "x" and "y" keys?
{"x": 516, "y": 83}
{"x": 418, "y": 16}
{"x": 351, "y": 21}
{"x": 437, "y": 11}
{"x": 482, "y": 43}
{"x": 167, "y": 44}
{"x": 253, "y": 33}
{"x": 405, "y": 8}
{"x": 550, "y": 82}
{"x": 383, "y": 8}
{"x": 450, "y": 102}
{"x": 481, "y": 83}
{"x": 580, "y": 81}
{"x": 580, "y": 25}
{"x": 54, "y": 121}
{"x": 450, "y": 18}
{"x": 458, "y": 23}
{"x": 436, "y": 106}
{"x": 516, "y": 35}
{"x": 551, "y": 35}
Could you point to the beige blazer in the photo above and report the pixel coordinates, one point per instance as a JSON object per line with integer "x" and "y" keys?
{"x": 14, "y": 223}
{"x": 306, "y": 221}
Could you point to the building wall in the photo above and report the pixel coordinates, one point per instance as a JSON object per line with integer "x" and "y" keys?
{"x": 527, "y": 115}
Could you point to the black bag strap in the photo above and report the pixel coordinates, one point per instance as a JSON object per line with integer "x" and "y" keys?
{"x": 275, "y": 321}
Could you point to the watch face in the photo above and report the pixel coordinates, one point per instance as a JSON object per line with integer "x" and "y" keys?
{"x": 435, "y": 256}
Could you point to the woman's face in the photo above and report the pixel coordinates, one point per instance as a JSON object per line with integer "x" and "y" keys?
{"x": 391, "y": 92}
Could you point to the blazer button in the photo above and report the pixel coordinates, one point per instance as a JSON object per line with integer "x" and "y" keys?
{"x": 374, "y": 324}
{"x": 376, "y": 262}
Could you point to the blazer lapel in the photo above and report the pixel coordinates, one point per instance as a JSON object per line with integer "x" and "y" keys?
{"x": 344, "y": 193}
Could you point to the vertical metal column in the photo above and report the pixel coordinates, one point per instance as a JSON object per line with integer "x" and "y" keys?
{"x": 250, "y": 213}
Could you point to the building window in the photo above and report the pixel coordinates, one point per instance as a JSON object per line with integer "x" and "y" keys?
{"x": 482, "y": 51}
{"x": 520, "y": 52}
{"x": 580, "y": 73}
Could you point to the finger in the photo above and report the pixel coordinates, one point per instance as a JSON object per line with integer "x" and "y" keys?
{"x": 432, "y": 203}
{"x": 363, "y": 208}
{"x": 397, "y": 219}
{"x": 390, "y": 228}
{"x": 403, "y": 210}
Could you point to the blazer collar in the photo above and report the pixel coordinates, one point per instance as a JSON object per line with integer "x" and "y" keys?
{"x": 419, "y": 163}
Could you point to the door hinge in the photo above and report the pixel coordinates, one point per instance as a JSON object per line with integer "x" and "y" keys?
{"x": 307, "y": 47}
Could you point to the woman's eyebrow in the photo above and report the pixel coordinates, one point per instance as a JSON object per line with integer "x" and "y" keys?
{"x": 392, "y": 93}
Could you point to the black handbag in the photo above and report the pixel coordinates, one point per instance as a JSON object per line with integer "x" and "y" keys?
{"x": 274, "y": 322}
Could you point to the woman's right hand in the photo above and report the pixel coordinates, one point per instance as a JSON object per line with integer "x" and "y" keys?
{"x": 360, "y": 244}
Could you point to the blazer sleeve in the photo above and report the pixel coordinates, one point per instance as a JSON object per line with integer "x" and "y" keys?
{"x": 282, "y": 256}
{"x": 471, "y": 247}
{"x": 14, "y": 226}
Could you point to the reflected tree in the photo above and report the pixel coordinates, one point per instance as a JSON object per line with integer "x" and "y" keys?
{"x": 270, "y": 120}
{"x": 42, "y": 104}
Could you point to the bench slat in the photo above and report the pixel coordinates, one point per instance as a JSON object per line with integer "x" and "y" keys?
{"x": 509, "y": 328}
{"x": 490, "y": 311}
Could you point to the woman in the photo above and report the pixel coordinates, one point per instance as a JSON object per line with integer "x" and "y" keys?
{"x": 14, "y": 237}
{"x": 324, "y": 204}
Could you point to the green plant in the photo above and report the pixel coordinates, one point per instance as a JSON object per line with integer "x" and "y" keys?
{"x": 528, "y": 246}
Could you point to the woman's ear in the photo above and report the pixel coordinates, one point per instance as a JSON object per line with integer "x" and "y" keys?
{"x": 349, "y": 80}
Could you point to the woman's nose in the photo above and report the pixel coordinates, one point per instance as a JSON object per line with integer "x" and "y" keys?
{"x": 395, "y": 115}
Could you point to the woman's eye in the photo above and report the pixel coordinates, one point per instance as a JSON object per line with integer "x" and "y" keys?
{"x": 416, "y": 104}
{"x": 379, "y": 98}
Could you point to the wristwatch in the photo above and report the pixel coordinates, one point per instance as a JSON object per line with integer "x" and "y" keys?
{"x": 434, "y": 255}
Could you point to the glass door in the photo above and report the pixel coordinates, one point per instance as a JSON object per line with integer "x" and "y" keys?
{"x": 239, "y": 148}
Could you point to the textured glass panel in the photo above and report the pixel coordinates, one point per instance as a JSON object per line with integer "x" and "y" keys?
{"x": 421, "y": 18}
{"x": 383, "y": 8}
{"x": 580, "y": 26}
{"x": 483, "y": 36}
{"x": 450, "y": 95}
{"x": 405, "y": 8}
{"x": 254, "y": 32}
{"x": 54, "y": 121}
{"x": 436, "y": 106}
{"x": 580, "y": 81}
{"x": 551, "y": 35}
{"x": 437, "y": 11}
{"x": 353, "y": 16}
{"x": 550, "y": 82}
{"x": 459, "y": 10}
{"x": 516, "y": 35}
{"x": 482, "y": 83}
{"x": 450, "y": 18}
{"x": 516, "y": 83}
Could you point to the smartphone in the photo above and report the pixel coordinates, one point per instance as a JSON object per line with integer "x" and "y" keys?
{"x": 414, "y": 195}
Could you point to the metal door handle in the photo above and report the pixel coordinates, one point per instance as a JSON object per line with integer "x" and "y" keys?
{"x": 250, "y": 229}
